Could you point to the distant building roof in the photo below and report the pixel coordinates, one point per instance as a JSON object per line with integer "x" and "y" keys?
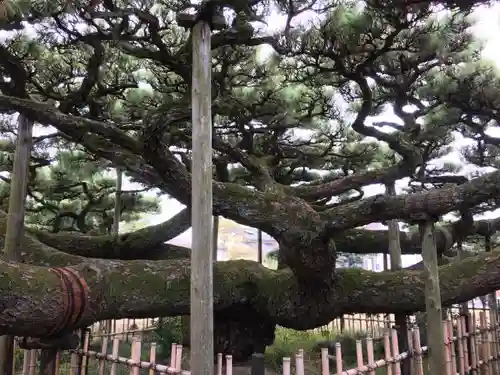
{"x": 235, "y": 241}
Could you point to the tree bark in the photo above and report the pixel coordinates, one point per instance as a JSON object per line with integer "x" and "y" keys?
{"x": 273, "y": 211}
{"x": 31, "y": 295}
{"x": 146, "y": 243}
{"x": 415, "y": 207}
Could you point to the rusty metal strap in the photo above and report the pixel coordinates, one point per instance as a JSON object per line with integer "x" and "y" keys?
{"x": 75, "y": 292}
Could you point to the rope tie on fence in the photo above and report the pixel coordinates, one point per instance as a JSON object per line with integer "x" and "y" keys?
{"x": 75, "y": 294}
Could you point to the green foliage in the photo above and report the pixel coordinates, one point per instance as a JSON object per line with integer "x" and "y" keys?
{"x": 74, "y": 192}
{"x": 288, "y": 342}
{"x": 291, "y": 109}
{"x": 169, "y": 331}
{"x": 113, "y": 75}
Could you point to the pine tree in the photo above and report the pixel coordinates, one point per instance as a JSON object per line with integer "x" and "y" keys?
{"x": 72, "y": 191}
{"x": 298, "y": 144}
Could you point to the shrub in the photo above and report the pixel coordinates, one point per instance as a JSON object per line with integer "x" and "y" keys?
{"x": 289, "y": 341}
{"x": 169, "y": 331}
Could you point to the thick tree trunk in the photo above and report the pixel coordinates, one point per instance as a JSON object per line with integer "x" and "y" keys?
{"x": 239, "y": 331}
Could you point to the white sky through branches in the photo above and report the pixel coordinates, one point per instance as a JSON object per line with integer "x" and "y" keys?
{"x": 487, "y": 28}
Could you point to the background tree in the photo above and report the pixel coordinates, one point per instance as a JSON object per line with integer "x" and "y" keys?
{"x": 299, "y": 137}
{"x": 70, "y": 190}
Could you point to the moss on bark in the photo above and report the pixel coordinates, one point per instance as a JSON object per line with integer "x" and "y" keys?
{"x": 120, "y": 289}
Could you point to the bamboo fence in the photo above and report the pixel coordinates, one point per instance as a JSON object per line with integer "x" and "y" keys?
{"x": 474, "y": 351}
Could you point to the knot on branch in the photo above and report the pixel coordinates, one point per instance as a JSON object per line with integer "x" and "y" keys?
{"x": 75, "y": 292}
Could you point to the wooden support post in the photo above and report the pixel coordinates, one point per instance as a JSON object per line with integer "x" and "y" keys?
{"x": 259, "y": 246}
{"x": 464, "y": 307}
{"x": 116, "y": 227}
{"x": 433, "y": 308}
{"x": 48, "y": 360}
{"x": 493, "y": 315}
{"x": 258, "y": 365}
{"x": 202, "y": 328}
{"x": 118, "y": 208}
{"x": 216, "y": 236}
{"x": 397, "y": 264}
{"x": 15, "y": 220}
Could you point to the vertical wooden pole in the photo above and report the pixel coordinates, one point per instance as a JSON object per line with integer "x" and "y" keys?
{"x": 117, "y": 210}
{"x": 19, "y": 183}
{"x": 15, "y": 220}
{"x": 387, "y": 317}
{"x": 152, "y": 358}
{"x": 397, "y": 264}
{"x": 259, "y": 246}
{"x": 48, "y": 358}
{"x": 216, "y": 237}
{"x": 26, "y": 361}
{"x": 464, "y": 308}
{"x": 493, "y": 314}
{"x": 433, "y": 308}
{"x": 114, "y": 353}
{"x": 115, "y": 231}
{"x": 202, "y": 329}
{"x": 258, "y": 365}
{"x": 33, "y": 359}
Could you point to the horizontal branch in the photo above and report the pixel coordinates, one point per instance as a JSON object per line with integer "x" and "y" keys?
{"x": 418, "y": 206}
{"x": 364, "y": 241}
{"x": 266, "y": 211}
{"x": 31, "y": 295}
{"x": 145, "y": 243}
{"x": 47, "y": 114}
{"x": 355, "y": 181}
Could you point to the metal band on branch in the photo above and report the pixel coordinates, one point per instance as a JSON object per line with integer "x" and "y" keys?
{"x": 60, "y": 318}
{"x": 81, "y": 293}
{"x": 75, "y": 294}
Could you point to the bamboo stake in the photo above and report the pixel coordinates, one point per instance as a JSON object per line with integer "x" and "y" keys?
{"x": 152, "y": 357}
{"x": 114, "y": 354}
{"x": 15, "y": 221}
